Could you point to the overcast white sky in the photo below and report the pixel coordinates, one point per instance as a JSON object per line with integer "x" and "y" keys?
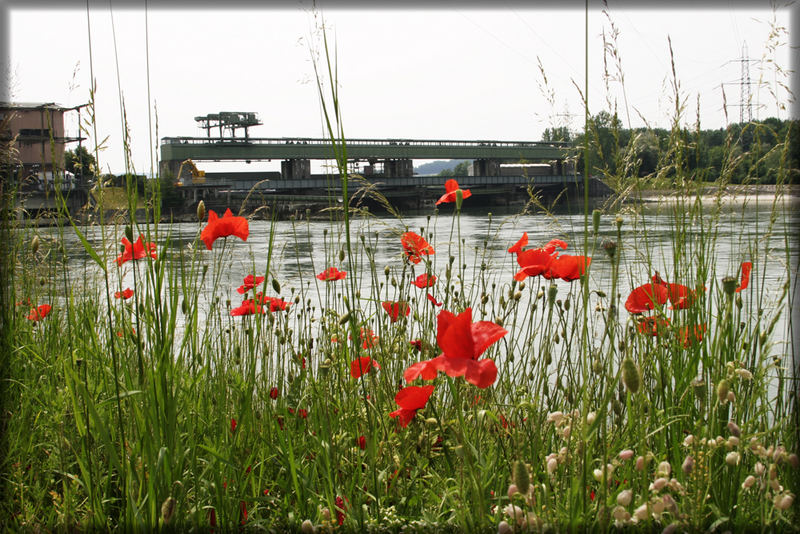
{"x": 421, "y": 74}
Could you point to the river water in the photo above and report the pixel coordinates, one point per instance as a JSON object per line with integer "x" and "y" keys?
{"x": 741, "y": 227}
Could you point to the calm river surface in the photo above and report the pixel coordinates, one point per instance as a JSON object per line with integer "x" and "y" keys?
{"x": 299, "y": 248}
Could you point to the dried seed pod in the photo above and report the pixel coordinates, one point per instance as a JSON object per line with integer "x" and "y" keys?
{"x": 168, "y": 509}
{"x": 201, "y": 211}
{"x": 35, "y": 244}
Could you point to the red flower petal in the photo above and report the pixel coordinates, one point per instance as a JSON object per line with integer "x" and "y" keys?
{"x": 481, "y": 373}
{"x": 433, "y": 300}
{"x": 248, "y": 307}
{"x": 413, "y": 397}
{"x": 362, "y": 365}
{"x": 40, "y": 312}
{"x": 250, "y": 282}
{"x": 426, "y": 369}
{"x": 517, "y": 247}
{"x": 415, "y": 246}
{"x": 746, "y": 268}
{"x": 136, "y": 251}
{"x": 567, "y": 267}
{"x": 223, "y": 227}
{"x": 551, "y": 245}
{"x": 126, "y": 294}
{"x": 451, "y": 187}
{"x": 423, "y": 281}
{"x": 396, "y": 309}
{"x": 646, "y": 297}
{"x": 331, "y": 274}
{"x": 654, "y": 326}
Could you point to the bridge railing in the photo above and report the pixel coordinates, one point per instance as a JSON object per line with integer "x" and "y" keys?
{"x": 362, "y": 142}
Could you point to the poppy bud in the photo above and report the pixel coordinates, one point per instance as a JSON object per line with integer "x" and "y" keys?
{"x": 459, "y": 199}
{"x": 566, "y": 305}
{"x": 276, "y": 286}
{"x": 552, "y": 291}
{"x": 341, "y": 255}
{"x": 521, "y": 477}
{"x": 618, "y": 221}
{"x": 610, "y": 247}
{"x": 739, "y": 302}
{"x": 729, "y": 284}
{"x": 595, "y": 221}
{"x": 129, "y": 233}
{"x": 201, "y": 211}
{"x": 723, "y": 388}
{"x": 168, "y": 509}
{"x": 630, "y": 375}
{"x": 35, "y": 244}
{"x": 597, "y": 367}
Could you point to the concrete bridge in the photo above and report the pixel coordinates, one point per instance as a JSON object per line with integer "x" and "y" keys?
{"x": 384, "y": 157}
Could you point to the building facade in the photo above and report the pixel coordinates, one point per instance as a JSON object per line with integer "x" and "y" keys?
{"x": 40, "y": 140}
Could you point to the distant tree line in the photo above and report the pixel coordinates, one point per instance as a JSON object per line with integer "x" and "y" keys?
{"x": 82, "y": 163}
{"x": 753, "y": 152}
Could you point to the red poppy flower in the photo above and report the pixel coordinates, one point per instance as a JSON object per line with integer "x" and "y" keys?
{"x": 410, "y": 399}
{"x": 233, "y": 425}
{"x": 340, "y": 508}
{"x": 40, "y": 312}
{"x": 688, "y": 336}
{"x": 362, "y": 365}
{"x": 126, "y": 294}
{"x": 534, "y": 262}
{"x": 396, "y": 309}
{"x": 273, "y": 393}
{"x": 223, "y": 227}
{"x": 433, "y": 300}
{"x": 423, "y": 281}
{"x": 646, "y": 297}
{"x": 567, "y": 267}
{"x": 136, "y": 251}
{"x": 462, "y": 343}
{"x": 451, "y": 188}
{"x": 654, "y": 326}
{"x": 517, "y": 247}
{"x": 331, "y": 274}
{"x": 362, "y": 442}
{"x": 746, "y": 268}
{"x": 248, "y": 307}
{"x": 551, "y": 245}
{"x": 415, "y": 246}
{"x": 368, "y": 338}
{"x": 275, "y": 303}
{"x": 250, "y": 282}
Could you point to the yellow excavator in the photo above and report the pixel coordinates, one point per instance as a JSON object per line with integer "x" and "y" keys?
{"x": 198, "y": 176}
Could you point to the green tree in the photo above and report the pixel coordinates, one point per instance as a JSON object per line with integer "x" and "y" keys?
{"x": 80, "y": 162}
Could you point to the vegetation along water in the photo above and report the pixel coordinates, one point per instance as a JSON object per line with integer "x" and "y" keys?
{"x": 628, "y": 366}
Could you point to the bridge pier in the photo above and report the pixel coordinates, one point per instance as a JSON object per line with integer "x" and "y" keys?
{"x": 398, "y": 167}
{"x": 295, "y": 169}
{"x": 485, "y": 167}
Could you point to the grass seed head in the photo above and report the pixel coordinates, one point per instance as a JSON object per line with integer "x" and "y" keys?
{"x": 521, "y": 477}
{"x": 168, "y": 509}
{"x": 201, "y": 211}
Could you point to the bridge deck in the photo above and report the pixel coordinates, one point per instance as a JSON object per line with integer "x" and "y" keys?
{"x": 230, "y": 149}
{"x": 219, "y": 180}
